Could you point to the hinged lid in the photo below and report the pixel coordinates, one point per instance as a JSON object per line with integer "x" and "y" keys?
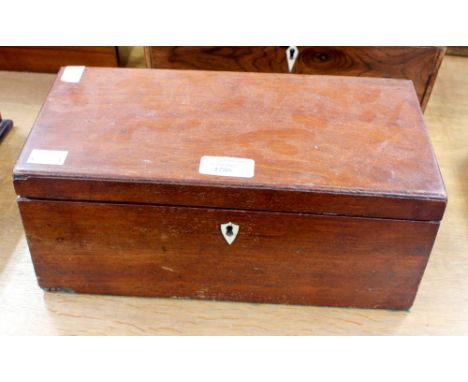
{"x": 317, "y": 144}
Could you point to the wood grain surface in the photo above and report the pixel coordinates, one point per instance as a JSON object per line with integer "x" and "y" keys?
{"x": 143, "y": 250}
{"x": 441, "y": 306}
{"x": 49, "y": 59}
{"x": 419, "y": 64}
{"x": 320, "y": 143}
{"x": 458, "y": 50}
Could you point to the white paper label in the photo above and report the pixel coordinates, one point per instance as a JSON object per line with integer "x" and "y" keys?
{"x": 54, "y": 157}
{"x": 227, "y": 166}
{"x": 72, "y": 74}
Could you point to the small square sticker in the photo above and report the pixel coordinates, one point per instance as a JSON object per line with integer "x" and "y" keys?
{"x": 72, "y": 74}
{"x": 53, "y": 157}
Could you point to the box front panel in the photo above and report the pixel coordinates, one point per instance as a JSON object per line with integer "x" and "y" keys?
{"x": 143, "y": 250}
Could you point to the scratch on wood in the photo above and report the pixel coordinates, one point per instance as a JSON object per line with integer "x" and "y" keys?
{"x": 167, "y": 268}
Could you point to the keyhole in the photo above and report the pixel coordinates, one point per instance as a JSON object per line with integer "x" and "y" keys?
{"x": 291, "y": 53}
{"x": 229, "y": 230}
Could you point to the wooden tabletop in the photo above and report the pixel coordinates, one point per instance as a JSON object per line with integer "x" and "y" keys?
{"x": 441, "y": 306}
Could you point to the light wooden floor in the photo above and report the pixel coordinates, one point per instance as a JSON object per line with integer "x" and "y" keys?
{"x": 440, "y": 308}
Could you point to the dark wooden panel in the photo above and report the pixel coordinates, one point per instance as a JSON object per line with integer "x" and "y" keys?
{"x": 342, "y": 145}
{"x": 419, "y": 64}
{"x": 50, "y": 59}
{"x": 267, "y": 59}
{"x": 179, "y": 252}
{"x": 458, "y": 50}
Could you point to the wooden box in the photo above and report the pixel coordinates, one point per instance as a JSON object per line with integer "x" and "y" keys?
{"x": 231, "y": 186}
{"x": 419, "y": 64}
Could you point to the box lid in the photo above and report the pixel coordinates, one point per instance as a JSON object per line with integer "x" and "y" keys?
{"x": 320, "y": 144}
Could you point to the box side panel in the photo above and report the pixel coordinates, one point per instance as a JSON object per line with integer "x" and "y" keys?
{"x": 180, "y": 252}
